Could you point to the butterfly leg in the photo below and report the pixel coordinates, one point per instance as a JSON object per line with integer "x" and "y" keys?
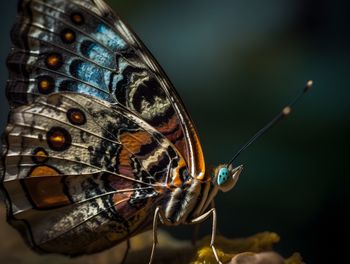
{"x": 197, "y": 227}
{"x": 212, "y": 205}
{"x": 157, "y": 214}
{"x": 203, "y": 217}
{"x": 126, "y": 252}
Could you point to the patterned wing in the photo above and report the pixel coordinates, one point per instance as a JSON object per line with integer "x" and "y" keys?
{"x": 82, "y": 46}
{"x": 82, "y": 174}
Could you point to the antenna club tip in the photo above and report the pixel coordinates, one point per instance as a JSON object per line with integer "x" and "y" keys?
{"x": 309, "y": 85}
{"x": 287, "y": 110}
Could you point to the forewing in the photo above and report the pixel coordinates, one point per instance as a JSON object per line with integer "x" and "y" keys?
{"x": 81, "y": 174}
{"x": 82, "y": 46}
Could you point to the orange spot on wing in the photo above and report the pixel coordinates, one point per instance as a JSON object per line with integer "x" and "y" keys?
{"x": 40, "y": 156}
{"x": 68, "y": 36}
{"x": 76, "y": 117}
{"x": 58, "y": 139}
{"x": 132, "y": 142}
{"x": 41, "y": 171}
{"x": 45, "y": 187}
{"x": 77, "y": 19}
{"x": 44, "y": 84}
{"x": 53, "y": 60}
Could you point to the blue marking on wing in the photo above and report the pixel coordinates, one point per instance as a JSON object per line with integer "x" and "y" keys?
{"x": 109, "y": 38}
{"x": 99, "y": 54}
{"x": 93, "y": 75}
{"x": 85, "y": 89}
{"x": 102, "y": 54}
{"x": 79, "y": 87}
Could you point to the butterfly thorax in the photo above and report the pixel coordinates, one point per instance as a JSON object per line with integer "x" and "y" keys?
{"x": 193, "y": 198}
{"x": 188, "y": 201}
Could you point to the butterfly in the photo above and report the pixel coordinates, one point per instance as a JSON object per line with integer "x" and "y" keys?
{"x": 99, "y": 146}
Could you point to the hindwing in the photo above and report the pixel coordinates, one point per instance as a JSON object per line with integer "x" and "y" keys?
{"x": 82, "y": 174}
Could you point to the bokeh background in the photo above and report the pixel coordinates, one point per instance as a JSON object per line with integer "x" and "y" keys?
{"x": 236, "y": 63}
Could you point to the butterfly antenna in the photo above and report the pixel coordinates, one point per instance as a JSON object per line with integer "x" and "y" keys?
{"x": 285, "y": 112}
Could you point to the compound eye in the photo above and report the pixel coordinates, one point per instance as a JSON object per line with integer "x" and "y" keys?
{"x": 223, "y": 176}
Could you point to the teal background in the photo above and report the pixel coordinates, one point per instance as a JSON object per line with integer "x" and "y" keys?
{"x": 235, "y": 65}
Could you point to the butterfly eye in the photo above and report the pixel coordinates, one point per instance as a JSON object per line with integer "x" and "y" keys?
{"x": 223, "y": 176}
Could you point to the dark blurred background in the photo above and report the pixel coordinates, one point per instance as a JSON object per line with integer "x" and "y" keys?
{"x": 236, "y": 63}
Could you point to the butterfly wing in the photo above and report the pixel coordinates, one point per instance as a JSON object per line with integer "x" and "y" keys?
{"x": 82, "y": 174}
{"x": 83, "y": 46}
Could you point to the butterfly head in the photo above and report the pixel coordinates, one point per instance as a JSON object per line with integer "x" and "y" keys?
{"x": 225, "y": 177}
